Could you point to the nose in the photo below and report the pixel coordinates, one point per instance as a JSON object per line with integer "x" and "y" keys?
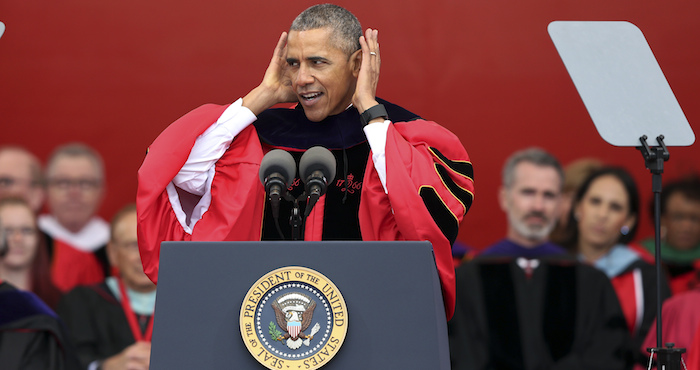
{"x": 75, "y": 191}
{"x": 14, "y": 236}
{"x": 304, "y": 76}
{"x": 538, "y": 204}
{"x": 602, "y": 212}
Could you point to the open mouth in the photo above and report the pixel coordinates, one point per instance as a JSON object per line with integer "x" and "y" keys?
{"x": 310, "y": 97}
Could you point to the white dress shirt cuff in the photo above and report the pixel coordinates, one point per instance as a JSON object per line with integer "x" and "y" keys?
{"x": 376, "y": 136}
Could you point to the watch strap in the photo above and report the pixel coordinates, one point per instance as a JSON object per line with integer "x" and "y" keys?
{"x": 372, "y": 113}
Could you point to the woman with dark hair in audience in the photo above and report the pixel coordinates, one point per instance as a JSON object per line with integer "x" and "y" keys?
{"x": 603, "y": 222}
{"x": 24, "y": 262}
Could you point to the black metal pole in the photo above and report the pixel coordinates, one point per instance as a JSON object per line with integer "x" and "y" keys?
{"x": 668, "y": 358}
{"x": 654, "y": 161}
{"x": 656, "y": 178}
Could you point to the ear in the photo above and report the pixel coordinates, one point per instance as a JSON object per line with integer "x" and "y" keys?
{"x": 112, "y": 253}
{"x": 356, "y": 62}
{"x": 36, "y": 198}
{"x": 503, "y": 198}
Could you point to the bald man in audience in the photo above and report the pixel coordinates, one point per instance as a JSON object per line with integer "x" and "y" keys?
{"x": 20, "y": 176}
{"x": 111, "y": 322}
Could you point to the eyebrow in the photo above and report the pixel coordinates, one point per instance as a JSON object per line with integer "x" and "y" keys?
{"x": 313, "y": 59}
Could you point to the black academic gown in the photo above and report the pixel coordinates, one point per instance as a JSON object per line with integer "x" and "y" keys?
{"x": 96, "y": 321}
{"x": 564, "y": 316}
{"x": 31, "y": 335}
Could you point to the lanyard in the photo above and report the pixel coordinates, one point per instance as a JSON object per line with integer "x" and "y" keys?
{"x": 131, "y": 317}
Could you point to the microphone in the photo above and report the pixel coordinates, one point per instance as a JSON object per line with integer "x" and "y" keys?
{"x": 316, "y": 169}
{"x": 277, "y": 169}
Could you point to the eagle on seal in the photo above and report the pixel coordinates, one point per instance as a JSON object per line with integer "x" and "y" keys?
{"x": 294, "y": 316}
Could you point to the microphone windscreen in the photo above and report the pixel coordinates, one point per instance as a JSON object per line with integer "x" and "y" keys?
{"x": 278, "y": 161}
{"x": 317, "y": 158}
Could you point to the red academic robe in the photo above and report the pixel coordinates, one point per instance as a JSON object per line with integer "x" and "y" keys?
{"x": 72, "y": 267}
{"x": 424, "y": 161}
{"x": 694, "y": 352}
{"x": 680, "y": 325}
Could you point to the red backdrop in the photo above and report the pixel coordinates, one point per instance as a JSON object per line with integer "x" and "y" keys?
{"x": 113, "y": 74}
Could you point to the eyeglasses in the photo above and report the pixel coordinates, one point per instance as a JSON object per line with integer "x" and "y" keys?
{"x": 82, "y": 184}
{"x": 24, "y": 231}
{"x": 7, "y": 182}
{"x": 681, "y": 217}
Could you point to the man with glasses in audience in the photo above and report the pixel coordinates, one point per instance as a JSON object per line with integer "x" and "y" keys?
{"x": 77, "y": 236}
{"x": 680, "y": 232}
{"x": 522, "y": 303}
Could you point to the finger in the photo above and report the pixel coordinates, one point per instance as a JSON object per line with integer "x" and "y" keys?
{"x": 363, "y": 46}
{"x": 371, "y": 37}
{"x": 365, "y": 53}
{"x": 281, "y": 46}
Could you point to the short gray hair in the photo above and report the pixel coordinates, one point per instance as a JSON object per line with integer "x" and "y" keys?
{"x": 77, "y": 150}
{"x": 345, "y": 26}
{"x": 536, "y": 156}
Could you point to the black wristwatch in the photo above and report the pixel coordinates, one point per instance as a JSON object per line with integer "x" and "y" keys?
{"x": 374, "y": 112}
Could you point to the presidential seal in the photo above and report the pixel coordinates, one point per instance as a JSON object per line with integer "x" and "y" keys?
{"x": 293, "y": 318}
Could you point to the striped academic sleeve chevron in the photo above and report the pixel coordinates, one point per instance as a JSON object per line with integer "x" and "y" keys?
{"x": 430, "y": 188}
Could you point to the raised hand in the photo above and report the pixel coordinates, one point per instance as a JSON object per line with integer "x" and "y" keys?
{"x": 368, "y": 78}
{"x": 276, "y": 87}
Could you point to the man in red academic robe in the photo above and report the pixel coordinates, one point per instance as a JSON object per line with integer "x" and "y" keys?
{"x": 76, "y": 235}
{"x": 403, "y": 178}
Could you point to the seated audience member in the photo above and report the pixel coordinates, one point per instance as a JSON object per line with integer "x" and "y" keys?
{"x": 680, "y": 324}
{"x": 680, "y": 232}
{"x": 574, "y": 174}
{"x": 111, "y": 322}
{"x": 20, "y": 176}
{"x": 24, "y": 263}
{"x": 32, "y": 337}
{"x": 603, "y": 220}
{"x": 531, "y": 306}
{"x": 530, "y": 195}
{"x": 76, "y": 235}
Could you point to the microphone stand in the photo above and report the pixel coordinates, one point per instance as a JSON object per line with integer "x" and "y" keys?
{"x": 296, "y": 220}
{"x": 668, "y": 358}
